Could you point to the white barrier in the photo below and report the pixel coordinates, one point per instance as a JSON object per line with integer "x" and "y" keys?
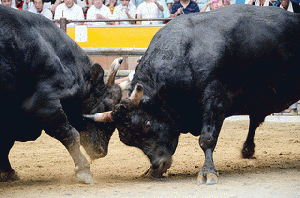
{"x": 274, "y": 118}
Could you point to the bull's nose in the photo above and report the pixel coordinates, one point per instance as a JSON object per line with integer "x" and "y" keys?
{"x": 162, "y": 164}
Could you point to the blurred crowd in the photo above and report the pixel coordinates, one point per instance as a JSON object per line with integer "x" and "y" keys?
{"x": 132, "y": 9}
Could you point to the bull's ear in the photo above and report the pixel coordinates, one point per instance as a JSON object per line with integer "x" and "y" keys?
{"x": 97, "y": 74}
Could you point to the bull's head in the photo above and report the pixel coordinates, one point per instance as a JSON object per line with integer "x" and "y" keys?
{"x": 141, "y": 125}
{"x": 103, "y": 97}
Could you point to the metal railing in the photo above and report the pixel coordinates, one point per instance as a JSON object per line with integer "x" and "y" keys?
{"x": 107, "y": 51}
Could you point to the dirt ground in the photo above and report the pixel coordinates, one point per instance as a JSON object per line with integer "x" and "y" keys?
{"x": 47, "y": 170}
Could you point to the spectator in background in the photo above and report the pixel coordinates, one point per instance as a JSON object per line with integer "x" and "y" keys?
{"x": 124, "y": 11}
{"x": 111, "y": 5}
{"x": 259, "y": 2}
{"x": 184, "y": 7}
{"x": 98, "y": 11}
{"x": 82, "y": 4}
{"x": 202, "y": 3}
{"x": 39, "y": 8}
{"x": 27, "y": 4}
{"x": 150, "y": 9}
{"x": 9, "y": 3}
{"x": 214, "y": 5}
{"x": 69, "y": 10}
{"x": 285, "y": 4}
{"x": 167, "y": 4}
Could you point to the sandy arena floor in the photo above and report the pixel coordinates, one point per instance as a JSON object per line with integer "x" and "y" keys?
{"x": 47, "y": 170}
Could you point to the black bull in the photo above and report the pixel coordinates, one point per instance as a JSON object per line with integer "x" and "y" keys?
{"x": 48, "y": 82}
{"x": 201, "y": 68}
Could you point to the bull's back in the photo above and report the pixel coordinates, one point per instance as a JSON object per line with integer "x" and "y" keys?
{"x": 36, "y": 55}
{"x": 232, "y": 44}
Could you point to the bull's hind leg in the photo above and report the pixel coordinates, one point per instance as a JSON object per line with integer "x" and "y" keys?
{"x": 249, "y": 145}
{"x": 215, "y": 102}
{"x": 6, "y": 171}
{"x": 56, "y": 124}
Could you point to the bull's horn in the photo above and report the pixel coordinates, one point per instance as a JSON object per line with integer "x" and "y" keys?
{"x": 115, "y": 66}
{"x": 137, "y": 94}
{"x": 100, "y": 117}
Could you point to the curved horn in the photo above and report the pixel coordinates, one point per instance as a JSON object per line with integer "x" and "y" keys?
{"x": 115, "y": 66}
{"x": 100, "y": 117}
{"x": 137, "y": 94}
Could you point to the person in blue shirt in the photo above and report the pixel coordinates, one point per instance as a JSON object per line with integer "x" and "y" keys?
{"x": 184, "y": 7}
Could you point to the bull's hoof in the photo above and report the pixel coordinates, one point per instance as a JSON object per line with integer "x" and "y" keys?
{"x": 151, "y": 173}
{"x": 201, "y": 179}
{"x": 9, "y": 176}
{"x": 248, "y": 150}
{"x": 209, "y": 179}
{"x": 85, "y": 176}
{"x": 212, "y": 179}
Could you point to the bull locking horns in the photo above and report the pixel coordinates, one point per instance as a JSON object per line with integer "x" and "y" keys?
{"x": 106, "y": 116}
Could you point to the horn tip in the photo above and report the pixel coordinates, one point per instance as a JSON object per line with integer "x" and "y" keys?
{"x": 91, "y": 117}
{"x": 120, "y": 60}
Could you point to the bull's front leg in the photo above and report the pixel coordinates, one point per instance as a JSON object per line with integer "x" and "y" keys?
{"x": 215, "y": 103}
{"x": 70, "y": 138}
{"x": 56, "y": 124}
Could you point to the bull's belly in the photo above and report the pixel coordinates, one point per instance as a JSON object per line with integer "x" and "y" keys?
{"x": 20, "y": 127}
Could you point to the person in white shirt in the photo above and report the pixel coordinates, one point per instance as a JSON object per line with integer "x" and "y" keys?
{"x": 39, "y": 8}
{"x": 287, "y": 5}
{"x": 9, "y": 3}
{"x": 98, "y": 11}
{"x": 69, "y": 10}
{"x": 259, "y": 2}
{"x": 124, "y": 11}
{"x": 149, "y": 9}
{"x": 27, "y": 4}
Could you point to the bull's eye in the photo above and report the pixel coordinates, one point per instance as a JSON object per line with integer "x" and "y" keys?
{"x": 148, "y": 124}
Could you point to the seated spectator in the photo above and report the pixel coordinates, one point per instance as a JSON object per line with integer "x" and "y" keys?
{"x": 69, "y": 10}
{"x": 166, "y": 5}
{"x": 287, "y": 5}
{"x": 9, "y": 3}
{"x": 124, "y": 11}
{"x": 202, "y": 3}
{"x": 98, "y": 11}
{"x": 83, "y": 5}
{"x": 184, "y": 7}
{"x": 39, "y": 8}
{"x": 27, "y": 5}
{"x": 111, "y": 5}
{"x": 259, "y": 2}
{"x": 214, "y": 5}
{"x": 150, "y": 9}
